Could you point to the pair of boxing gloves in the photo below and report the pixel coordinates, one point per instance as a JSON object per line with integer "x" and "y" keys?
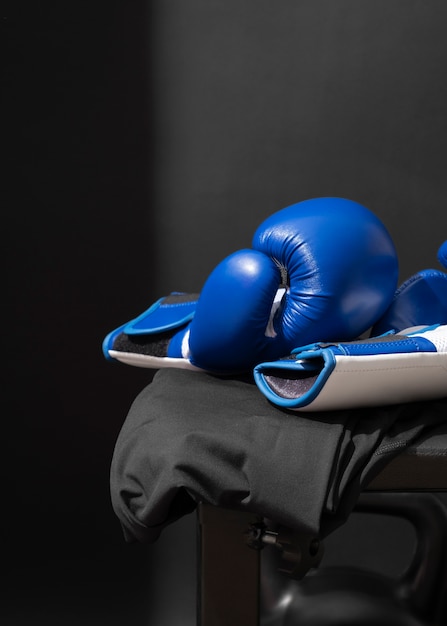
{"x": 322, "y": 270}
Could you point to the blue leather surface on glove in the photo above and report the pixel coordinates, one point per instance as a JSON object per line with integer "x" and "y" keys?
{"x": 420, "y": 300}
{"x": 321, "y": 269}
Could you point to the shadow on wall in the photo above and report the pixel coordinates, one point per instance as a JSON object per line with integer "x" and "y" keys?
{"x": 80, "y": 259}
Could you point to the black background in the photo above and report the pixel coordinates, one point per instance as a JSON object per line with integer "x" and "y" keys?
{"x": 144, "y": 142}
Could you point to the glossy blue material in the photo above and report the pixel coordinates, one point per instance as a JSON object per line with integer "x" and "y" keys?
{"x": 233, "y": 310}
{"x": 442, "y": 254}
{"x": 342, "y": 273}
{"x": 164, "y": 315}
{"x": 161, "y": 317}
{"x": 419, "y": 301}
{"x": 370, "y": 348}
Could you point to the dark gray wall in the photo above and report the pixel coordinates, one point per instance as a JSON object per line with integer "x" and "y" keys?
{"x": 148, "y": 141}
{"x": 262, "y": 104}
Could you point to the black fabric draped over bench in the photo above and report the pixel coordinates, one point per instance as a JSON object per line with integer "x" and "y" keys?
{"x": 192, "y": 437}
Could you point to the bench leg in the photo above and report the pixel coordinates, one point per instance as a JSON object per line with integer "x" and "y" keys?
{"x": 228, "y": 570}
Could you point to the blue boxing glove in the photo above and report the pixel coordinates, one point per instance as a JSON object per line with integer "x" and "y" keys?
{"x": 390, "y": 369}
{"x": 419, "y": 301}
{"x": 323, "y": 268}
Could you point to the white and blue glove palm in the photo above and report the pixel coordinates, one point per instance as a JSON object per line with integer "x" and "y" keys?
{"x": 391, "y": 369}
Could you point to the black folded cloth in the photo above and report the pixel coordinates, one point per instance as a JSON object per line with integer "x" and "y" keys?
{"x": 192, "y": 437}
